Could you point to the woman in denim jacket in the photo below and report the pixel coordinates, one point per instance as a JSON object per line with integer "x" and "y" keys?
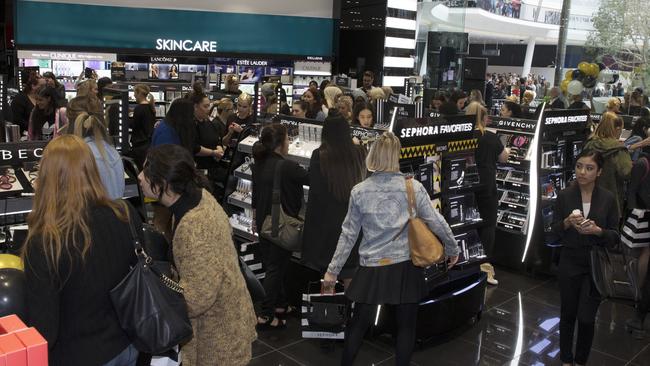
{"x": 386, "y": 274}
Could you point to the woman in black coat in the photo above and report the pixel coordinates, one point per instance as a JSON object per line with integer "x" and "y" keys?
{"x": 335, "y": 167}
{"x": 585, "y": 216}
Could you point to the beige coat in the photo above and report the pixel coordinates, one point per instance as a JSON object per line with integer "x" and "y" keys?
{"x": 219, "y": 304}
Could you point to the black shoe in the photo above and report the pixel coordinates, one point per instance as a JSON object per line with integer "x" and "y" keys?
{"x": 635, "y": 326}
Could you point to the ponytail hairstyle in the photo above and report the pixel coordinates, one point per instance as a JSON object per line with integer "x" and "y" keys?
{"x": 145, "y": 92}
{"x": 172, "y": 167}
{"x": 476, "y": 108}
{"x": 271, "y": 137}
{"x": 197, "y": 95}
{"x": 90, "y": 126}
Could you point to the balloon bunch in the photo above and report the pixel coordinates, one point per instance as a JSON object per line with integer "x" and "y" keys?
{"x": 12, "y": 291}
{"x": 586, "y": 76}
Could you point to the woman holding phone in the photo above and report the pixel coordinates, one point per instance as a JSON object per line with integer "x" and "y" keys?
{"x": 585, "y": 216}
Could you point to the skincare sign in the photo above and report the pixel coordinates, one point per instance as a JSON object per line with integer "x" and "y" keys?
{"x": 439, "y": 131}
{"x": 186, "y": 45}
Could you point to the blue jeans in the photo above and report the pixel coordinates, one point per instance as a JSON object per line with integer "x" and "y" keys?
{"x": 128, "y": 357}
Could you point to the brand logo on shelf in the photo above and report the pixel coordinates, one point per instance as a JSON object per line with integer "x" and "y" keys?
{"x": 163, "y": 59}
{"x": 186, "y": 45}
{"x": 435, "y": 130}
{"x": 252, "y": 62}
{"x": 315, "y": 58}
{"x": 566, "y": 119}
{"x": 516, "y": 124}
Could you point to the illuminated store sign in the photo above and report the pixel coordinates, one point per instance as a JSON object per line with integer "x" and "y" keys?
{"x": 435, "y": 130}
{"x": 252, "y": 63}
{"x": 186, "y": 45}
{"x": 68, "y": 56}
{"x": 438, "y": 131}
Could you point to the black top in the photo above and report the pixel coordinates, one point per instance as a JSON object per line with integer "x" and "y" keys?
{"x": 603, "y": 211}
{"x": 557, "y": 104}
{"x": 323, "y": 220}
{"x": 209, "y": 134}
{"x": 61, "y": 100}
{"x": 21, "y": 108}
{"x": 184, "y": 204}
{"x": 489, "y": 93}
{"x": 638, "y": 191}
{"x": 578, "y": 105}
{"x": 293, "y": 178}
{"x": 77, "y": 318}
{"x": 487, "y": 155}
{"x": 142, "y": 125}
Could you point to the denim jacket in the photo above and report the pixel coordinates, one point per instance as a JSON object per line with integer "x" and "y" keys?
{"x": 379, "y": 206}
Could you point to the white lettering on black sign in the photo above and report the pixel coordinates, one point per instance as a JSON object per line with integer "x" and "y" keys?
{"x": 252, "y": 63}
{"x": 565, "y": 119}
{"x": 435, "y": 130}
{"x": 516, "y": 124}
{"x": 163, "y": 59}
{"x": 186, "y": 45}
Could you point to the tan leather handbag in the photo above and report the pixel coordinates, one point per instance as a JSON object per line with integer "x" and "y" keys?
{"x": 426, "y": 248}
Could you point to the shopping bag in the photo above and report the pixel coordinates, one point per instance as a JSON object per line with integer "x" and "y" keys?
{"x": 324, "y": 315}
{"x": 171, "y": 358}
{"x": 636, "y": 231}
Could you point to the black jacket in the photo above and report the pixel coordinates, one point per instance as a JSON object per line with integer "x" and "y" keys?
{"x": 558, "y": 104}
{"x": 293, "y": 178}
{"x": 574, "y": 259}
{"x": 77, "y": 318}
{"x": 323, "y": 220}
{"x": 21, "y": 108}
{"x": 638, "y": 191}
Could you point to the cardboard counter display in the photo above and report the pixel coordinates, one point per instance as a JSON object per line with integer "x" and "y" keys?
{"x": 20, "y": 345}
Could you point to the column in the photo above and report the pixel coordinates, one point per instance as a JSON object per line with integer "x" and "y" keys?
{"x": 528, "y": 61}
{"x": 399, "y": 44}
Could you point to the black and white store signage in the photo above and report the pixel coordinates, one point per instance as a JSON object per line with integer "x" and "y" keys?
{"x": 295, "y": 121}
{"x": 425, "y": 131}
{"x": 565, "y": 119}
{"x": 18, "y": 152}
{"x": 363, "y": 133}
{"x": 514, "y": 124}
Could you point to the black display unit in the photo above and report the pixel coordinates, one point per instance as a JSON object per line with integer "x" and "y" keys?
{"x": 564, "y": 133}
{"x": 116, "y": 113}
{"x": 513, "y": 189}
{"x": 439, "y": 152}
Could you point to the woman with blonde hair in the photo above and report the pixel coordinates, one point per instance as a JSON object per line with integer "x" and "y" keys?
{"x": 88, "y": 87}
{"x": 614, "y": 105}
{"x": 618, "y": 163}
{"x": 109, "y": 162}
{"x": 330, "y": 93}
{"x": 344, "y": 107}
{"x": 386, "y": 275}
{"x": 232, "y": 85}
{"x": 79, "y": 247}
{"x": 490, "y": 151}
{"x": 476, "y": 96}
{"x": 376, "y": 93}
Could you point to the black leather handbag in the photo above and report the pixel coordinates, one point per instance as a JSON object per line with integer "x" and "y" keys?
{"x": 150, "y": 305}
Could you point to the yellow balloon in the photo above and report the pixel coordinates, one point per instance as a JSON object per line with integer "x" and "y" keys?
{"x": 584, "y": 67}
{"x": 11, "y": 261}
{"x": 595, "y": 70}
{"x": 569, "y": 75}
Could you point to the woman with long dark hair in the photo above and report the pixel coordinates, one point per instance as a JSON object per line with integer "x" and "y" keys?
{"x": 23, "y": 104}
{"x": 272, "y": 148}
{"x": 46, "y": 112}
{"x": 335, "y": 167}
{"x": 364, "y": 115}
{"x": 586, "y": 215}
{"x": 142, "y": 123}
{"x": 218, "y": 303}
{"x": 178, "y": 129}
{"x": 315, "y": 110}
{"x": 79, "y": 247}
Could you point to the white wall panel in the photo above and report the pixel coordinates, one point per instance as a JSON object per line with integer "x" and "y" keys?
{"x": 303, "y": 8}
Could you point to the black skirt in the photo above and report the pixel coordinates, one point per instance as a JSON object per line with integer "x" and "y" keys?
{"x": 401, "y": 283}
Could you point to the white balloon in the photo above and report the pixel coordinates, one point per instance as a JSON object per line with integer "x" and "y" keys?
{"x": 608, "y": 76}
{"x": 575, "y": 87}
